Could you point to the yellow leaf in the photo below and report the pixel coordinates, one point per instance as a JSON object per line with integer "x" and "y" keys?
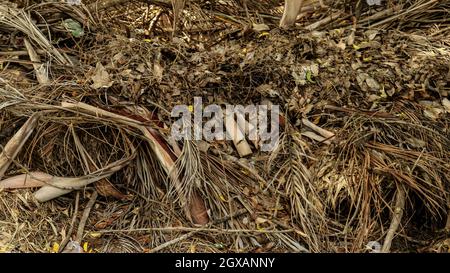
{"x": 55, "y": 247}
{"x": 355, "y": 47}
{"x": 147, "y": 40}
{"x": 85, "y": 247}
{"x": 367, "y": 59}
{"x": 191, "y": 108}
{"x": 264, "y": 33}
{"x": 222, "y": 198}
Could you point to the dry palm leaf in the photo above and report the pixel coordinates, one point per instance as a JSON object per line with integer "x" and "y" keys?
{"x": 15, "y": 144}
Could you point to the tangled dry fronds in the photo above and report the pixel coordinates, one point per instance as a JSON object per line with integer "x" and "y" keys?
{"x": 86, "y": 93}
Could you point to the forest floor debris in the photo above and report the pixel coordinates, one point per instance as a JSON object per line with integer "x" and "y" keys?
{"x": 86, "y": 94}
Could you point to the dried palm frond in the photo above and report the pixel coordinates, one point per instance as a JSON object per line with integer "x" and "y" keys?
{"x": 187, "y": 177}
{"x": 19, "y": 20}
{"x": 307, "y": 209}
{"x": 376, "y": 156}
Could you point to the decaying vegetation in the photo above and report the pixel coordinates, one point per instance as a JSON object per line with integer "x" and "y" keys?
{"x": 87, "y": 156}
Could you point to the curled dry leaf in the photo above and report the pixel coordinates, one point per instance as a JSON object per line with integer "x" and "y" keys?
{"x": 101, "y": 78}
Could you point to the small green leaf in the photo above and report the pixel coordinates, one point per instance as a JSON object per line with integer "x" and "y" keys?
{"x": 309, "y": 76}
{"x": 74, "y": 27}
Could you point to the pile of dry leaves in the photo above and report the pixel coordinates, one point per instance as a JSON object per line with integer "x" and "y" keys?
{"x": 88, "y": 162}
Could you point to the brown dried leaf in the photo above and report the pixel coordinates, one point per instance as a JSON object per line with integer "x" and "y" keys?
{"x": 101, "y": 77}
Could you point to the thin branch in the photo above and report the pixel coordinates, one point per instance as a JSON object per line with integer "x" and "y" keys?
{"x": 187, "y": 235}
{"x": 72, "y": 224}
{"x": 396, "y": 219}
{"x": 83, "y": 220}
